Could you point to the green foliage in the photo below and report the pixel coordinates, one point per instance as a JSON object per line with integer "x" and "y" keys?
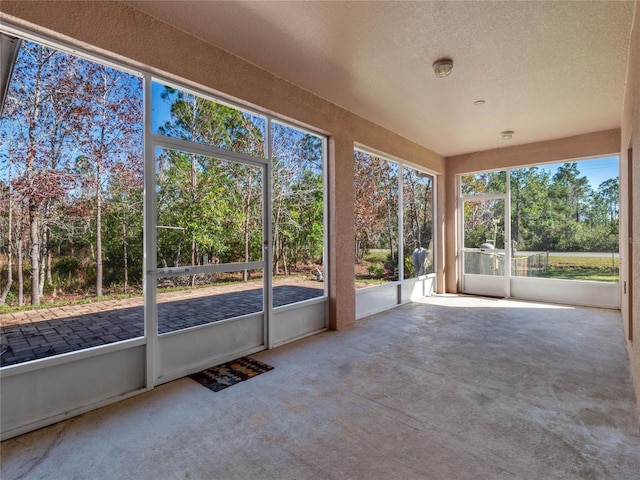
{"x": 484, "y": 223}
{"x": 562, "y": 212}
{"x": 376, "y": 203}
{"x": 484, "y": 183}
{"x": 376, "y": 270}
{"x": 66, "y": 267}
{"x": 557, "y": 212}
{"x": 409, "y": 271}
{"x": 83, "y": 174}
{"x": 376, "y": 256}
{"x": 418, "y": 215}
{"x": 298, "y": 204}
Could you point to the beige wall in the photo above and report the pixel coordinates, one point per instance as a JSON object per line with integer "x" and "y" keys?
{"x": 124, "y": 34}
{"x": 580, "y": 146}
{"x": 630, "y": 221}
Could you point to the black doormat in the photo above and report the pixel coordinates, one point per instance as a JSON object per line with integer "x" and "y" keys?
{"x": 228, "y": 374}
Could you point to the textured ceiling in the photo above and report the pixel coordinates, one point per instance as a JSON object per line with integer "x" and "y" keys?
{"x": 545, "y": 69}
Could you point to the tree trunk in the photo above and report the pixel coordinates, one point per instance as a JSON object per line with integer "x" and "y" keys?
{"x": 98, "y": 241}
{"x": 247, "y": 212}
{"x": 20, "y": 273}
{"x": 35, "y": 253}
{"x": 34, "y": 209}
{"x": 99, "y": 165}
{"x": 49, "y": 260}
{"x": 7, "y": 287}
{"x": 124, "y": 255}
{"x": 285, "y": 265}
{"x": 43, "y": 265}
{"x": 276, "y": 240}
{"x": 194, "y": 255}
{"x": 49, "y": 273}
{"x": 43, "y": 251}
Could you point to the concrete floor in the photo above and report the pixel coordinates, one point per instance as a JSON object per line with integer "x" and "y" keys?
{"x": 451, "y": 388}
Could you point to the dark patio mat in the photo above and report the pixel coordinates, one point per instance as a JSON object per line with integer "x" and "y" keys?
{"x": 222, "y": 376}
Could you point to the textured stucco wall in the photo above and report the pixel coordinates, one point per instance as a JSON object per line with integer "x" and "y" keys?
{"x": 580, "y": 146}
{"x": 122, "y": 33}
{"x": 630, "y": 193}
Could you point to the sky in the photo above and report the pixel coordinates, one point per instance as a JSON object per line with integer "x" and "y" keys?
{"x": 597, "y": 170}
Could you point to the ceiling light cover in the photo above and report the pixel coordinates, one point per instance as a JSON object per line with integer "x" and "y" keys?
{"x": 507, "y": 134}
{"x": 442, "y": 67}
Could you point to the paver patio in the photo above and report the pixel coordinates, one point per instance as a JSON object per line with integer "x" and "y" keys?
{"x": 34, "y": 334}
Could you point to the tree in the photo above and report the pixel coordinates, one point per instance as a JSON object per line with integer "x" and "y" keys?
{"x": 418, "y": 212}
{"x": 418, "y": 208}
{"x": 297, "y": 199}
{"x": 124, "y": 213}
{"x": 569, "y": 191}
{"x": 211, "y": 185}
{"x": 69, "y": 121}
{"x": 6, "y": 225}
{"x": 376, "y": 207}
{"x": 112, "y": 112}
{"x": 42, "y": 123}
{"x": 530, "y": 208}
{"x": 608, "y": 196}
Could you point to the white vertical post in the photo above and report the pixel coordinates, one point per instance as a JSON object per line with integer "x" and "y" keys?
{"x": 434, "y": 236}
{"x": 460, "y": 233}
{"x": 400, "y": 231}
{"x": 507, "y": 237}
{"x": 325, "y": 219}
{"x": 267, "y": 232}
{"x": 150, "y": 239}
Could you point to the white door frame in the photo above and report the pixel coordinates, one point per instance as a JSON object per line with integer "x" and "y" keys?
{"x": 490, "y": 285}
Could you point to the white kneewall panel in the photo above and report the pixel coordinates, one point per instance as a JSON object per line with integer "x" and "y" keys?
{"x": 413, "y": 289}
{"x": 187, "y": 351}
{"x": 38, "y": 394}
{"x": 491, "y": 286}
{"x": 376, "y": 299}
{"x": 291, "y": 322}
{"x": 570, "y": 292}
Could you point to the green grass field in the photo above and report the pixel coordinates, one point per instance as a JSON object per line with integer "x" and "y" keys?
{"x": 376, "y": 256}
{"x": 603, "y": 269}
{"x": 598, "y": 269}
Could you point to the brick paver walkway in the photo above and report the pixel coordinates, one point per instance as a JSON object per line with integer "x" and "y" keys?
{"x": 34, "y": 334}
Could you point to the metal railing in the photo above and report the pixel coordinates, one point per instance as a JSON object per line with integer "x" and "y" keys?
{"x": 489, "y": 262}
{"x": 531, "y": 265}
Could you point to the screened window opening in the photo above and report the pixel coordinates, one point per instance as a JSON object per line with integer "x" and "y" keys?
{"x": 565, "y": 220}
{"x": 209, "y": 211}
{"x": 485, "y": 183}
{"x": 297, "y": 166}
{"x": 484, "y": 231}
{"x": 183, "y": 115}
{"x": 376, "y": 220}
{"x": 216, "y": 298}
{"x": 72, "y": 205}
{"x": 417, "y": 205}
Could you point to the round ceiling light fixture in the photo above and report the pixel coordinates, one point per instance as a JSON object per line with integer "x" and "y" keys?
{"x": 507, "y": 135}
{"x": 442, "y": 67}
{"x": 477, "y": 103}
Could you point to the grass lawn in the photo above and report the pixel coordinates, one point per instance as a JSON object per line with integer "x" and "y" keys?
{"x": 376, "y": 256}
{"x": 603, "y": 269}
